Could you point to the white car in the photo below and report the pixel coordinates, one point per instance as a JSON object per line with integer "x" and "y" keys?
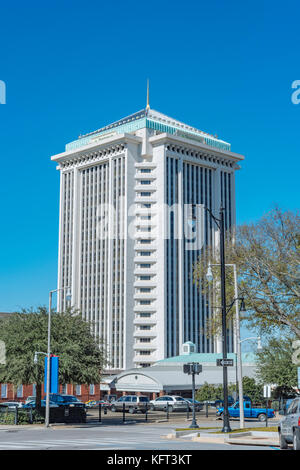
{"x": 28, "y": 399}
{"x": 169, "y": 402}
{"x": 12, "y": 404}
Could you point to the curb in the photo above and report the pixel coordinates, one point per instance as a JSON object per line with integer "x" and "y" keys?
{"x": 242, "y": 438}
{"x": 253, "y": 442}
{"x": 21, "y": 427}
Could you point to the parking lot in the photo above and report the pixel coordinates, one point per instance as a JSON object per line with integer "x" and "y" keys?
{"x": 183, "y": 418}
{"x": 106, "y": 415}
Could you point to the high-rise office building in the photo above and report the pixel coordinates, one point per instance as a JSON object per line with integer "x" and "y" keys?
{"x": 127, "y": 191}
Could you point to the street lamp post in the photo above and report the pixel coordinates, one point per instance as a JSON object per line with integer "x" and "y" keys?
{"x": 220, "y": 224}
{"x": 47, "y": 414}
{"x": 226, "y": 425}
{"x": 239, "y": 378}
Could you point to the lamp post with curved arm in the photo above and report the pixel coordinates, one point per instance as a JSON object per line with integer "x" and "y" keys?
{"x": 221, "y": 226}
{"x": 209, "y": 277}
{"x": 68, "y": 297}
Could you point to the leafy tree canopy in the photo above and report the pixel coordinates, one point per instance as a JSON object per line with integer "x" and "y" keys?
{"x": 80, "y": 356}
{"x": 267, "y": 256}
{"x": 212, "y": 392}
{"x": 275, "y": 365}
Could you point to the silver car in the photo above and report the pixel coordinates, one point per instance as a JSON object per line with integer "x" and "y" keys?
{"x": 131, "y": 403}
{"x": 170, "y": 403}
{"x": 289, "y": 426}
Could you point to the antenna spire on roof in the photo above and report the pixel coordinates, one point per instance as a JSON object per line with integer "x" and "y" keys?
{"x": 148, "y": 106}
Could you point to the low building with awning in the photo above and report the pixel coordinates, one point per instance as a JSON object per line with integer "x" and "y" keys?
{"x": 167, "y": 376}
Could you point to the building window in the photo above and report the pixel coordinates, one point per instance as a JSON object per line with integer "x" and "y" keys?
{"x": 78, "y": 390}
{"x": 92, "y": 389}
{"x": 64, "y": 389}
{"x": 3, "y": 390}
{"x": 34, "y": 390}
{"x": 20, "y": 391}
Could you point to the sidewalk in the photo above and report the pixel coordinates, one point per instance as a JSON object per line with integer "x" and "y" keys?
{"x": 20, "y": 427}
{"x": 257, "y": 438}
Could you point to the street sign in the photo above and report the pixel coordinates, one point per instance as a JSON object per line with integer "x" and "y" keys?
{"x": 54, "y": 365}
{"x": 267, "y": 391}
{"x": 192, "y": 368}
{"x": 225, "y": 362}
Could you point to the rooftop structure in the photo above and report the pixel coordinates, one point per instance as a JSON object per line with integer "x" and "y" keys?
{"x": 149, "y": 119}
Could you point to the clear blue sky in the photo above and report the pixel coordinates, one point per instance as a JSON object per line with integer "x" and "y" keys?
{"x": 70, "y": 67}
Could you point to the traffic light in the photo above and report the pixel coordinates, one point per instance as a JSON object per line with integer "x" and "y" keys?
{"x": 192, "y": 368}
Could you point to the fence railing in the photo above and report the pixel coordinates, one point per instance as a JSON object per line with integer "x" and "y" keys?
{"x": 65, "y": 414}
{"x": 16, "y": 415}
{"x": 146, "y": 413}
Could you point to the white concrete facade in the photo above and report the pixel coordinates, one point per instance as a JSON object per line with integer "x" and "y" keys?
{"x": 127, "y": 262}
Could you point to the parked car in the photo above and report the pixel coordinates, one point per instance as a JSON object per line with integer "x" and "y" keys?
{"x": 96, "y": 403}
{"x": 11, "y": 405}
{"x": 289, "y": 426}
{"x": 198, "y": 404}
{"x": 110, "y": 398}
{"x": 219, "y": 402}
{"x": 285, "y": 403}
{"x": 132, "y": 403}
{"x": 66, "y": 400}
{"x": 91, "y": 403}
{"x": 249, "y": 411}
{"x": 105, "y": 403}
{"x": 209, "y": 402}
{"x": 32, "y": 404}
{"x": 174, "y": 403}
{"x": 28, "y": 399}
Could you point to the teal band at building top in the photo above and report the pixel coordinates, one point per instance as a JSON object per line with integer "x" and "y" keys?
{"x": 141, "y": 120}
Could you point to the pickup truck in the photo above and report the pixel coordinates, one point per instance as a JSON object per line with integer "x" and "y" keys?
{"x": 249, "y": 411}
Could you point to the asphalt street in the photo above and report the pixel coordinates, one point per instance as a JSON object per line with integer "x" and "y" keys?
{"x": 122, "y": 437}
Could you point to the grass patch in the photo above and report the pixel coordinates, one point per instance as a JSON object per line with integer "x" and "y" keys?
{"x": 265, "y": 429}
{"x": 194, "y": 429}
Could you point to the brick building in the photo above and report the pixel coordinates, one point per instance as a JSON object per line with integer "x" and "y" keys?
{"x": 9, "y": 392}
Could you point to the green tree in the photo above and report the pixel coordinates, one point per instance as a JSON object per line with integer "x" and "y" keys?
{"x": 81, "y": 356}
{"x": 252, "y": 388}
{"x": 211, "y": 392}
{"x": 274, "y": 363}
{"x": 267, "y": 256}
{"x": 206, "y": 393}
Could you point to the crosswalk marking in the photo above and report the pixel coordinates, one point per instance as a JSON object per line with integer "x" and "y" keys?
{"x": 96, "y": 443}
{"x": 70, "y": 443}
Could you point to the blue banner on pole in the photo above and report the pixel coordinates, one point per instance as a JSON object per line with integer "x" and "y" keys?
{"x": 54, "y": 365}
